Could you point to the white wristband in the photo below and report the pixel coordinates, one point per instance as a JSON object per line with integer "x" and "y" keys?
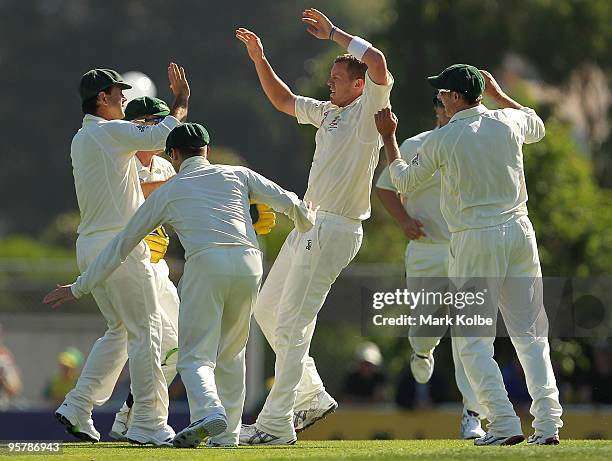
{"x": 358, "y": 47}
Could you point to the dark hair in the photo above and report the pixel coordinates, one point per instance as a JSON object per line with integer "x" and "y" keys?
{"x": 356, "y": 68}
{"x": 469, "y": 99}
{"x": 187, "y": 152}
{"x": 90, "y": 105}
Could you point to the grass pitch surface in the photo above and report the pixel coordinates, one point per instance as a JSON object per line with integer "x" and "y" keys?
{"x": 438, "y": 450}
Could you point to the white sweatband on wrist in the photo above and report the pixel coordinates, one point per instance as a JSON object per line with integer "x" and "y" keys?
{"x": 358, "y": 47}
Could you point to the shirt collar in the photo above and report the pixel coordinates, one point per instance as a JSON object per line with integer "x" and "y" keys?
{"x": 467, "y": 113}
{"x": 194, "y": 162}
{"x": 89, "y": 119}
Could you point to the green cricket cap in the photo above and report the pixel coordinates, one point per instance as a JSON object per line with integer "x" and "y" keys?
{"x": 187, "y": 135}
{"x": 97, "y": 80}
{"x": 462, "y": 78}
{"x": 145, "y": 105}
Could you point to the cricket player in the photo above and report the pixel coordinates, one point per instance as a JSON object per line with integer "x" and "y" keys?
{"x": 108, "y": 194}
{"x": 426, "y": 259}
{"x": 153, "y": 171}
{"x": 479, "y": 155}
{"x": 208, "y": 206}
{"x": 340, "y": 182}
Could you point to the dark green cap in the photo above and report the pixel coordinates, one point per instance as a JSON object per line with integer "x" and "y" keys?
{"x": 97, "y": 80}
{"x": 462, "y": 78}
{"x": 187, "y": 135}
{"x": 140, "y": 107}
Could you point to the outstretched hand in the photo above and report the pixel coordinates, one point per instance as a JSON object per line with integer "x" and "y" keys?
{"x": 60, "y": 295}
{"x": 252, "y": 43}
{"x": 319, "y": 25}
{"x": 386, "y": 122}
{"x": 178, "y": 81}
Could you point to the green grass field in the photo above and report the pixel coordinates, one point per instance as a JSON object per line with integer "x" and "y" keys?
{"x": 439, "y": 450}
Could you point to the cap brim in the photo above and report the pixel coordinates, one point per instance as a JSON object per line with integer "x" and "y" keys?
{"x": 436, "y": 82}
{"x": 123, "y": 86}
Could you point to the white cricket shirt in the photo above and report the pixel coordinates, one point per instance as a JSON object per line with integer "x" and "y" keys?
{"x": 161, "y": 170}
{"x": 423, "y": 203}
{"x": 480, "y": 158}
{"x": 207, "y": 205}
{"x": 347, "y": 148}
{"x": 104, "y": 169}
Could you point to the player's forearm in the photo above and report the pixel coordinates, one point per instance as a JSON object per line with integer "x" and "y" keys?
{"x": 374, "y": 58}
{"x": 149, "y": 187}
{"x": 504, "y": 101}
{"x": 392, "y": 151}
{"x": 180, "y": 108}
{"x": 277, "y": 91}
{"x": 393, "y": 205}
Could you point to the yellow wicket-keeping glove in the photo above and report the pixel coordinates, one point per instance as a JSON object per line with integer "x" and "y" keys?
{"x": 158, "y": 242}
{"x": 263, "y": 218}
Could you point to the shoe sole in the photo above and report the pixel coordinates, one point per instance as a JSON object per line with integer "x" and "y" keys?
{"x": 70, "y": 429}
{"x": 515, "y": 439}
{"x": 329, "y": 411}
{"x": 272, "y": 442}
{"x": 191, "y": 437}
{"x": 549, "y": 441}
{"x": 155, "y": 444}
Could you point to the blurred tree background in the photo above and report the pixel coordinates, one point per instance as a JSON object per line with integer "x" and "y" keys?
{"x": 554, "y": 55}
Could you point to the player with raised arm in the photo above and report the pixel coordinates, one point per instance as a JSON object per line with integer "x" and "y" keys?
{"x": 108, "y": 194}
{"x": 484, "y": 201}
{"x": 426, "y": 260}
{"x": 208, "y": 206}
{"x": 340, "y": 182}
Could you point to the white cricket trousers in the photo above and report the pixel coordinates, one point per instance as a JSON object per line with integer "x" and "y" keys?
{"x": 287, "y": 308}
{"x": 168, "y": 300}
{"x": 128, "y": 301}
{"x": 218, "y": 292}
{"x": 507, "y": 255}
{"x": 427, "y": 268}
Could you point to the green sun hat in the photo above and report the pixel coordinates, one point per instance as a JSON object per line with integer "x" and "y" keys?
{"x": 97, "y": 80}
{"x": 462, "y": 78}
{"x": 145, "y": 105}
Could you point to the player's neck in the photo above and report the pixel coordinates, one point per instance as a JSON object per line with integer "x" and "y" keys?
{"x": 146, "y": 158}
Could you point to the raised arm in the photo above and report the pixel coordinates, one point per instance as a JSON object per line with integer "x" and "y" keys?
{"x": 276, "y": 90}
{"x": 322, "y": 28}
{"x": 532, "y": 126}
{"x": 180, "y": 88}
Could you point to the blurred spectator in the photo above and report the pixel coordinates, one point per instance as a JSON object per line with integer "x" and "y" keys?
{"x": 365, "y": 380}
{"x": 601, "y": 374}
{"x": 411, "y": 395}
{"x": 69, "y": 362}
{"x": 10, "y": 380}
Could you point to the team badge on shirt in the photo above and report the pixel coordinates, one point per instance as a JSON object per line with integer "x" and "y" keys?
{"x": 415, "y": 160}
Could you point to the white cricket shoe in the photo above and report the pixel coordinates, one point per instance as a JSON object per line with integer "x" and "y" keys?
{"x": 77, "y": 425}
{"x": 250, "y": 435}
{"x": 540, "y": 439}
{"x": 470, "y": 426}
{"x": 161, "y": 438}
{"x": 422, "y": 367}
{"x": 120, "y": 425}
{"x": 318, "y": 408}
{"x": 493, "y": 439}
{"x": 192, "y": 435}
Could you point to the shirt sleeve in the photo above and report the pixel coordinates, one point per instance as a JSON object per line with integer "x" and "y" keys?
{"x": 310, "y": 111}
{"x": 375, "y": 97}
{"x": 530, "y": 124}
{"x": 265, "y": 191}
{"x": 407, "y": 176}
{"x": 135, "y": 137}
{"x": 384, "y": 180}
{"x": 148, "y": 217}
